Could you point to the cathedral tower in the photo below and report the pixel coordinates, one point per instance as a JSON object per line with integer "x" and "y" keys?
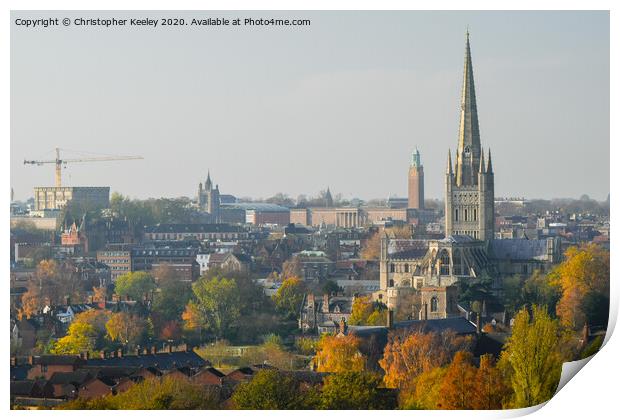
{"x": 416, "y": 182}
{"x": 470, "y": 187}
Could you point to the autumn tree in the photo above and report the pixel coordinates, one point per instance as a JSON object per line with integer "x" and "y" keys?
{"x": 489, "y": 388}
{"x": 134, "y": 284}
{"x": 289, "y": 297}
{"x": 354, "y": 391}
{"x": 339, "y": 354}
{"x": 456, "y": 392}
{"x": 409, "y": 356}
{"x": 126, "y": 328}
{"x": 215, "y": 305}
{"x": 371, "y": 249}
{"x": 583, "y": 278}
{"x": 86, "y": 333}
{"x": 271, "y": 351}
{"x": 531, "y": 359}
{"x": 291, "y": 268}
{"x": 366, "y": 312}
{"x": 423, "y": 391}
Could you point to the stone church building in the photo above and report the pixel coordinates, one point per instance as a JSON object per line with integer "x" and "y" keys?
{"x": 418, "y": 277}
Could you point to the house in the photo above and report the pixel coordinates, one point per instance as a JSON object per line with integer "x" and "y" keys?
{"x": 46, "y": 365}
{"x": 229, "y": 262}
{"x": 208, "y": 376}
{"x": 323, "y": 315}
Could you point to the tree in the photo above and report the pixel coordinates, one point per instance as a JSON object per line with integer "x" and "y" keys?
{"x": 126, "y": 328}
{"x": 513, "y": 293}
{"x": 134, "y": 284}
{"x": 583, "y": 278}
{"x": 423, "y": 391}
{"x": 456, "y": 392}
{"x": 271, "y": 352}
{"x": 167, "y": 393}
{"x": 406, "y": 357}
{"x": 291, "y": 268}
{"x": 330, "y": 287}
{"x": 215, "y": 305}
{"x": 86, "y": 333}
{"x": 339, "y": 354}
{"x": 289, "y": 297}
{"x": 354, "y": 391}
{"x": 269, "y": 389}
{"x": 489, "y": 388}
{"x": 531, "y": 358}
{"x": 538, "y": 290}
{"x": 365, "y": 312}
{"x": 477, "y": 292}
{"x": 372, "y": 247}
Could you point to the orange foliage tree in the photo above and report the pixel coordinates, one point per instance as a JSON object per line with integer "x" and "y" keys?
{"x": 584, "y": 275}
{"x": 407, "y": 357}
{"x": 490, "y": 388}
{"x": 339, "y": 354}
{"x": 456, "y": 391}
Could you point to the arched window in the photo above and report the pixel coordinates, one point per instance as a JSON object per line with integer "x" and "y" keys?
{"x": 475, "y": 215}
{"x": 466, "y": 215}
{"x": 456, "y": 215}
{"x": 444, "y": 268}
{"x": 406, "y": 268}
{"x": 392, "y": 268}
{"x": 434, "y": 304}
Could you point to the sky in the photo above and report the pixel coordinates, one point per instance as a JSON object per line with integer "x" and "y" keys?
{"x": 341, "y": 103}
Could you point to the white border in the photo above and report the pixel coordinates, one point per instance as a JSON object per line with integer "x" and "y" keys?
{"x": 593, "y": 394}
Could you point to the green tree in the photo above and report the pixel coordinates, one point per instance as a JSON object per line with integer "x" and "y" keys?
{"x": 289, "y": 297}
{"x": 538, "y": 290}
{"x": 127, "y": 329}
{"x": 513, "y": 293}
{"x": 216, "y": 304}
{"x": 134, "y": 284}
{"x": 354, "y": 391}
{"x": 531, "y": 357}
{"x": 269, "y": 389}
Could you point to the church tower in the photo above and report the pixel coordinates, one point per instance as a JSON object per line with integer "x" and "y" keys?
{"x": 470, "y": 186}
{"x": 209, "y": 198}
{"x": 416, "y": 182}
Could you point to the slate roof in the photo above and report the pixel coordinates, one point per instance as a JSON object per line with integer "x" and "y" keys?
{"x": 23, "y": 388}
{"x": 407, "y": 249}
{"x": 457, "y": 324}
{"x": 50, "y": 359}
{"x": 193, "y": 228}
{"x": 518, "y": 249}
{"x": 162, "y": 361}
{"x": 75, "y": 378}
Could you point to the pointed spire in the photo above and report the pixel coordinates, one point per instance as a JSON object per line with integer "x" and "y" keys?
{"x": 208, "y": 181}
{"x": 449, "y": 168}
{"x": 482, "y": 168}
{"x": 469, "y": 133}
{"x": 490, "y": 165}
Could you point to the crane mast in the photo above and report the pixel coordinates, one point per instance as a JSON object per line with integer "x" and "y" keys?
{"x": 60, "y": 162}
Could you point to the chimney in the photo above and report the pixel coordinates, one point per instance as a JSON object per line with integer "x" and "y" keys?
{"x": 325, "y": 303}
{"x": 102, "y": 354}
{"x": 169, "y": 348}
{"x": 86, "y": 355}
{"x": 31, "y": 360}
{"x": 390, "y": 319}
{"x": 343, "y": 325}
{"x": 478, "y": 327}
{"x": 153, "y": 350}
{"x": 13, "y": 361}
{"x": 183, "y": 347}
{"x": 119, "y": 353}
{"x": 137, "y": 350}
{"x": 145, "y": 351}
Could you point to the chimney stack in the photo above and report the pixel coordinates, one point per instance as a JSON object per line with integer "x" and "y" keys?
{"x": 390, "y": 319}
{"x": 31, "y": 360}
{"x": 169, "y": 347}
{"x": 343, "y": 325}
{"x": 153, "y": 350}
{"x": 86, "y": 355}
{"x": 325, "y": 303}
{"x": 13, "y": 361}
{"x": 119, "y": 353}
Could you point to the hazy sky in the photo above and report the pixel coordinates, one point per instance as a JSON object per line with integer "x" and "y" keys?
{"x": 295, "y": 109}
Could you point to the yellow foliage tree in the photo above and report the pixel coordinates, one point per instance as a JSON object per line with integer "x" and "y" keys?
{"x": 339, "y": 353}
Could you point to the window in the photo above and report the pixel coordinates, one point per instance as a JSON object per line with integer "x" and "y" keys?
{"x": 406, "y": 268}
{"x": 392, "y": 268}
{"x": 456, "y": 215}
{"x": 475, "y": 215}
{"x": 466, "y": 215}
{"x": 444, "y": 268}
{"x": 434, "y": 304}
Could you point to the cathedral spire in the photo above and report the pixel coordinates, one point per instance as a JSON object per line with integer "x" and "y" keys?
{"x": 468, "y": 152}
{"x": 482, "y": 168}
{"x": 449, "y": 168}
{"x": 490, "y": 165}
{"x": 208, "y": 183}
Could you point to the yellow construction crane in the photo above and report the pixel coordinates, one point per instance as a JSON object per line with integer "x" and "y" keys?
{"x": 63, "y": 162}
